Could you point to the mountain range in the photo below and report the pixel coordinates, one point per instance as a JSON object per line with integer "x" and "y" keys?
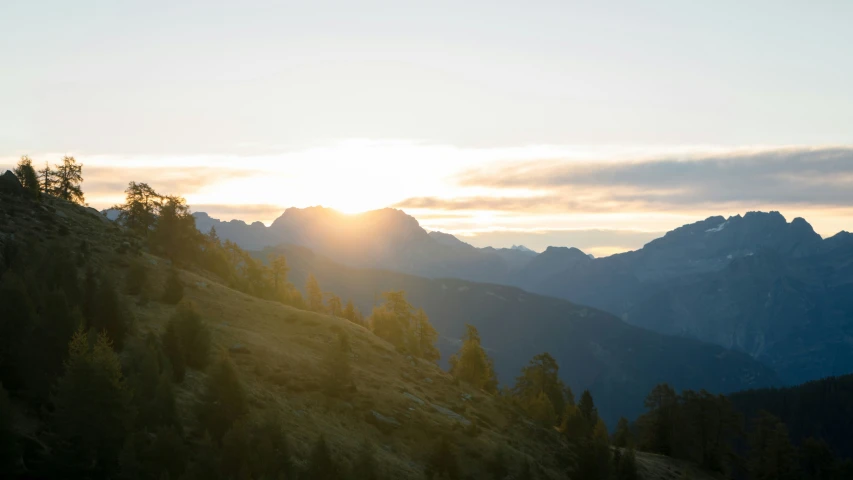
{"x": 756, "y": 283}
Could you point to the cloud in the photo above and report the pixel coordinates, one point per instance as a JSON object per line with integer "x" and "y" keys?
{"x": 177, "y": 180}
{"x": 792, "y": 176}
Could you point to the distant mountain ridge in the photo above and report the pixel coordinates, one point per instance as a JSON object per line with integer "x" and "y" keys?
{"x": 755, "y": 283}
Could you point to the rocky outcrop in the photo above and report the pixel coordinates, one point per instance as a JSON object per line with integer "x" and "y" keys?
{"x": 9, "y": 183}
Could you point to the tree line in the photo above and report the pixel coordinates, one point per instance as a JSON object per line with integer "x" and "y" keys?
{"x": 63, "y": 180}
{"x": 708, "y": 430}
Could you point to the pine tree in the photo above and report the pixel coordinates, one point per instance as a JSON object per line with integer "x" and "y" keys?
{"x": 109, "y": 313}
{"x": 333, "y": 305}
{"x": 771, "y": 455}
{"x": 175, "y": 234}
{"x": 659, "y": 424}
{"x": 91, "y": 388}
{"x": 350, "y": 312}
{"x": 471, "y": 365}
{"x": 27, "y": 175}
{"x": 314, "y": 294}
{"x": 279, "y": 269}
{"x": 426, "y": 336}
{"x": 68, "y": 177}
{"x": 623, "y": 438}
{"x": 540, "y": 376}
{"x": 587, "y": 408}
{"x": 47, "y": 179}
{"x": 139, "y": 212}
{"x": 224, "y": 400}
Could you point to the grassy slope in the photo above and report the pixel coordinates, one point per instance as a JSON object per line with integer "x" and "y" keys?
{"x": 283, "y": 369}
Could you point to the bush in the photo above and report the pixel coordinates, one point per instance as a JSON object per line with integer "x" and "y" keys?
{"x": 224, "y": 400}
{"x": 173, "y": 291}
{"x": 137, "y": 277}
{"x": 186, "y": 341}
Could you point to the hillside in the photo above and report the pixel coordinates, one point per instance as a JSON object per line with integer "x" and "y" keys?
{"x": 400, "y": 405}
{"x": 619, "y": 363}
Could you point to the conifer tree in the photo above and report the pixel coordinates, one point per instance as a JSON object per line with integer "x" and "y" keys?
{"x": 224, "y": 399}
{"x": 27, "y": 175}
{"x": 426, "y": 336}
{"x": 541, "y": 375}
{"x": 68, "y": 176}
{"x": 139, "y": 212}
{"x": 350, "y": 312}
{"x": 622, "y": 437}
{"x": 333, "y": 306}
{"x": 47, "y": 179}
{"x": 771, "y": 455}
{"x": 279, "y": 269}
{"x": 91, "y": 388}
{"x": 313, "y": 294}
{"x": 471, "y": 365}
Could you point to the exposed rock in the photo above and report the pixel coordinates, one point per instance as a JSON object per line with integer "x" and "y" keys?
{"x": 414, "y": 398}
{"x": 382, "y": 422}
{"x": 9, "y": 183}
{"x": 239, "y": 348}
{"x": 451, "y": 414}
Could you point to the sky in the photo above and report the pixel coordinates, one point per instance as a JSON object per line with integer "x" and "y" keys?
{"x": 591, "y": 124}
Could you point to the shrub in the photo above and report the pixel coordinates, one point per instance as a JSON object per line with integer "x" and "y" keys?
{"x": 137, "y": 277}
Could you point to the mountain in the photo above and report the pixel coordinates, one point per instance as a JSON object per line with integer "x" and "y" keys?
{"x": 756, "y": 283}
{"x": 618, "y": 362}
{"x": 386, "y": 238}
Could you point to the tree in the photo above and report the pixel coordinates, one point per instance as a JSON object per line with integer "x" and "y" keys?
{"x": 425, "y": 338}
{"x": 816, "y": 459}
{"x": 771, "y": 455}
{"x": 186, "y": 340}
{"x": 351, "y": 313}
{"x": 224, "y": 400}
{"x": 587, "y": 408}
{"x": 625, "y": 465}
{"x": 541, "y": 375}
{"x": 471, "y": 365}
{"x": 333, "y": 306}
{"x": 47, "y": 179}
{"x": 395, "y": 322}
{"x": 92, "y": 414}
{"x": 314, "y": 294}
{"x": 279, "y": 268}
{"x": 139, "y": 212}
{"x": 108, "y": 312}
{"x": 175, "y": 234}
{"x": 622, "y": 437}
{"x": 27, "y": 175}
{"x": 660, "y": 422}
{"x": 69, "y": 175}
